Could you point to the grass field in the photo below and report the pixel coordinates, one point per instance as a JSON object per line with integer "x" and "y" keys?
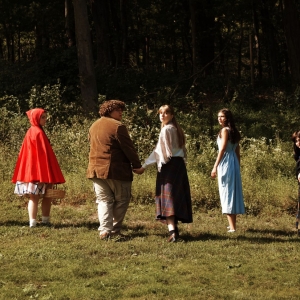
{"x": 68, "y": 261}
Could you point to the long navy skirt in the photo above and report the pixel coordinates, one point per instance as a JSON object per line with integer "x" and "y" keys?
{"x": 173, "y": 196}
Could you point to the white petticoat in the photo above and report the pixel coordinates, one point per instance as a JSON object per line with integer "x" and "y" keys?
{"x": 35, "y": 188}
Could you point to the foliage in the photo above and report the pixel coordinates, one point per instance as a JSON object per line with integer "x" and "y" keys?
{"x": 155, "y": 42}
{"x": 71, "y": 144}
{"x": 51, "y": 98}
{"x": 12, "y": 127}
{"x": 267, "y": 164}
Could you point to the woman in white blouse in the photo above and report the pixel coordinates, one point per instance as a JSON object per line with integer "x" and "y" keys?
{"x": 173, "y": 198}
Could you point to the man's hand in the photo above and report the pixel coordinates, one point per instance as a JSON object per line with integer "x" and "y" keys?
{"x": 139, "y": 171}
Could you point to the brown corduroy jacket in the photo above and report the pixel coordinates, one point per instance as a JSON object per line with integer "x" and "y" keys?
{"x": 112, "y": 153}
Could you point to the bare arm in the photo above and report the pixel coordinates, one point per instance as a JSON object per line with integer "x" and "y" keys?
{"x": 224, "y": 140}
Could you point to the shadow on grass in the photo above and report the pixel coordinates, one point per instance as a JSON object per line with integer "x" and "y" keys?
{"x": 135, "y": 231}
{"x": 89, "y": 225}
{"x": 250, "y": 235}
{"x": 14, "y": 223}
{"x": 256, "y": 236}
{"x": 270, "y": 231}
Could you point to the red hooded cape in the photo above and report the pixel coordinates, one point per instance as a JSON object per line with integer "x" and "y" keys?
{"x": 37, "y": 161}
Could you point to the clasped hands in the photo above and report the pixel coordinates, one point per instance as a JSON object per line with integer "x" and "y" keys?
{"x": 139, "y": 171}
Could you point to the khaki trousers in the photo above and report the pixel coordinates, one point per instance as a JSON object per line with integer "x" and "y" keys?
{"x": 113, "y": 197}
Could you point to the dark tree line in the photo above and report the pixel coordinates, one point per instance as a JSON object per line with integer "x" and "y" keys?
{"x": 256, "y": 40}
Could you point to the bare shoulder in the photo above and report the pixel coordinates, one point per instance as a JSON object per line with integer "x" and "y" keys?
{"x": 224, "y": 132}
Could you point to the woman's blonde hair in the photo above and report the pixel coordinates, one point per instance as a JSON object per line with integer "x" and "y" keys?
{"x": 180, "y": 133}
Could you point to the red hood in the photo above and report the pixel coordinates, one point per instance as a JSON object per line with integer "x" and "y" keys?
{"x": 34, "y": 116}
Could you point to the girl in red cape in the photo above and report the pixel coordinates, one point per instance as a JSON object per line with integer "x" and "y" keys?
{"x": 37, "y": 168}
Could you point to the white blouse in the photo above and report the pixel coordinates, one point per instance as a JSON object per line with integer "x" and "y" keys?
{"x": 166, "y": 147}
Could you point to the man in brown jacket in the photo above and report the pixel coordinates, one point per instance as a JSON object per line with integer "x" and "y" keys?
{"x": 111, "y": 160}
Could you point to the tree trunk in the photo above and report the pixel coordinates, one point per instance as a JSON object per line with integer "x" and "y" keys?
{"x": 206, "y": 34}
{"x": 38, "y": 38}
{"x": 41, "y": 33}
{"x": 256, "y": 38}
{"x": 12, "y": 47}
{"x": 69, "y": 21}
{"x": 19, "y": 46}
{"x": 174, "y": 54}
{"x": 185, "y": 40}
{"x": 239, "y": 71}
{"x": 193, "y": 30}
{"x": 251, "y": 59}
{"x": 100, "y": 13}
{"x": 9, "y": 42}
{"x": 146, "y": 54}
{"x": 272, "y": 48}
{"x": 1, "y": 48}
{"x": 138, "y": 43}
{"x": 85, "y": 57}
{"x": 284, "y": 46}
{"x": 116, "y": 31}
{"x": 292, "y": 34}
{"x": 124, "y": 28}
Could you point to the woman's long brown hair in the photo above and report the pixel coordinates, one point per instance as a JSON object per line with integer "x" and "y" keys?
{"x": 180, "y": 133}
{"x": 234, "y": 135}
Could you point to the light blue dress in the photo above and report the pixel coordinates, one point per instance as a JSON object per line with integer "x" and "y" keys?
{"x": 230, "y": 182}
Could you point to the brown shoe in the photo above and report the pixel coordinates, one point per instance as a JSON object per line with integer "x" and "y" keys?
{"x": 104, "y": 236}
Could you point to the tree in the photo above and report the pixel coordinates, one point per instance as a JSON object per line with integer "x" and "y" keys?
{"x": 124, "y": 30}
{"x": 87, "y": 76}
{"x": 257, "y": 38}
{"x": 69, "y": 23}
{"x": 292, "y": 34}
{"x": 193, "y": 31}
{"x": 206, "y": 34}
{"x": 101, "y": 18}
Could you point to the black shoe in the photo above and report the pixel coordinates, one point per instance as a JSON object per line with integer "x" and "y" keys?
{"x": 172, "y": 238}
{"x": 48, "y": 224}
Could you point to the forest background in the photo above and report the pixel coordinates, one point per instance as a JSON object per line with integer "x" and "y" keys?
{"x": 197, "y": 55}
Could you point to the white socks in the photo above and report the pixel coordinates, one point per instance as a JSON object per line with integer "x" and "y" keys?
{"x": 171, "y": 227}
{"x": 32, "y": 223}
{"x": 45, "y": 220}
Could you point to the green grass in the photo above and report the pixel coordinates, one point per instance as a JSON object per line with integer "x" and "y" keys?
{"x": 68, "y": 261}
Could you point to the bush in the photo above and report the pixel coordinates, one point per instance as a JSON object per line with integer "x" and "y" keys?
{"x": 267, "y": 164}
{"x": 51, "y": 98}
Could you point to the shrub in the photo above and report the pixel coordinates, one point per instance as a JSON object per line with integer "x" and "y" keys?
{"x": 267, "y": 165}
{"x": 51, "y": 98}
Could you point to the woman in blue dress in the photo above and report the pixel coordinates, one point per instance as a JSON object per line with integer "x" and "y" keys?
{"x": 227, "y": 166}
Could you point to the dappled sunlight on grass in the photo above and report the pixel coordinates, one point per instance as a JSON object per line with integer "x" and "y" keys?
{"x": 68, "y": 260}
